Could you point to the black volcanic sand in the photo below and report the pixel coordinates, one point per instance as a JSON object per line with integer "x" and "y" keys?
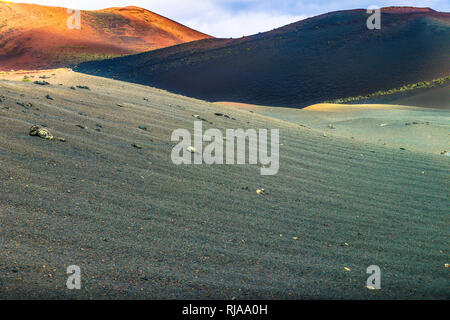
{"x": 142, "y": 227}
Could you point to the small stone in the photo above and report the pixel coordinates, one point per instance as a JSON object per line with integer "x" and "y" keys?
{"x": 143, "y": 128}
{"x": 137, "y": 146}
{"x": 191, "y": 149}
{"x": 42, "y": 83}
{"x": 347, "y": 269}
{"x": 196, "y": 116}
{"x": 260, "y": 191}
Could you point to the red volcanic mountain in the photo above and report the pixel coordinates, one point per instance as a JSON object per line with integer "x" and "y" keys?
{"x": 37, "y": 37}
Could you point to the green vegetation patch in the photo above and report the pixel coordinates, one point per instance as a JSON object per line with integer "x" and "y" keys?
{"x": 405, "y": 88}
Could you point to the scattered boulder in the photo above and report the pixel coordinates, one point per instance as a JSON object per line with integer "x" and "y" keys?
{"x": 260, "y": 191}
{"x": 42, "y": 83}
{"x": 137, "y": 146}
{"x": 83, "y": 87}
{"x": 41, "y": 132}
{"x": 143, "y": 128}
{"x": 27, "y": 106}
{"x": 196, "y": 116}
{"x": 222, "y": 115}
{"x": 48, "y": 97}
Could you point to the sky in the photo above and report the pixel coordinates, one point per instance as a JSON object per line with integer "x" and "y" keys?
{"x": 237, "y": 18}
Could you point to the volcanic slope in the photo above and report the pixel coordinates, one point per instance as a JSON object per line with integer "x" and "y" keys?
{"x": 140, "y": 226}
{"x": 38, "y": 37}
{"x": 327, "y": 57}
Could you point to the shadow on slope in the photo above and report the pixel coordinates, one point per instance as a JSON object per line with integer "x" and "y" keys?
{"x": 327, "y": 57}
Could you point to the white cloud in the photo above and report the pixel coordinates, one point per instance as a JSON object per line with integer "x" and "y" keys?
{"x": 242, "y": 24}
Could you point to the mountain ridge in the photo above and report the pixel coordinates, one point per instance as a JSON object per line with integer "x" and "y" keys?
{"x": 322, "y": 58}
{"x": 37, "y": 37}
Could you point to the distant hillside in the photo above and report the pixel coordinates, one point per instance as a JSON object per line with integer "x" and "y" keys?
{"x": 323, "y": 58}
{"x": 37, "y": 37}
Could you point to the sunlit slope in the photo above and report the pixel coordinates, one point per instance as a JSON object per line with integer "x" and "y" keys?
{"x": 37, "y": 37}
